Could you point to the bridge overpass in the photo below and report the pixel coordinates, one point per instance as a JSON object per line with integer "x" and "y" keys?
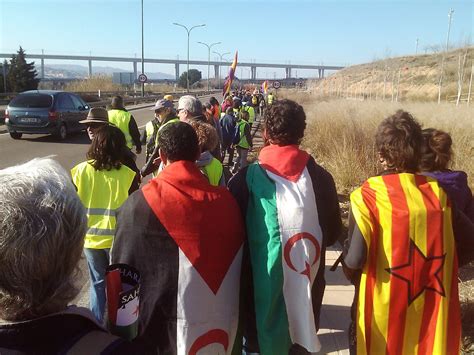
{"x": 176, "y": 62}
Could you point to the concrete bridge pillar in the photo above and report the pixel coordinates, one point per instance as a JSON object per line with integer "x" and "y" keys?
{"x": 176, "y": 70}
{"x": 135, "y": 72}
{"x": 216, "y": 71}
{"x": 322, "y": 73}
{"x": 42, "y": 68}
{"x": 253, "y": 71}
{"x": 90, "y": 68}
{"x": 288, "y": 73}
{"x": 319, "y": 73}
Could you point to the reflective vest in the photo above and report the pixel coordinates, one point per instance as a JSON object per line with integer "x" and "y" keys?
{"x": 173, "y": 120}
{"x": 251, "y": 112}
{"x": 213, "y": 171}
{"x": 254, "y": 100}
{"x": 151, "y": 129}
{"x": 121, "y": 119}
{"x": 243, "y": 139}
{"x": 270, "y": 99}
{"x": 101, "y": 192}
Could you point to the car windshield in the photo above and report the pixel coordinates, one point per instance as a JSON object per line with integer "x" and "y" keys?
{"x": 32, "y": 101}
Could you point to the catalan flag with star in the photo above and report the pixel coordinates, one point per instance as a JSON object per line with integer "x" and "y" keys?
{"x": 408, "y": 299}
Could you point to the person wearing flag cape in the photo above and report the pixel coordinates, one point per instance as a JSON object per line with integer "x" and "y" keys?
{"x": 292, "y": 214}
{"x": 185, "y": 238}
{"x": 406, "y": 240}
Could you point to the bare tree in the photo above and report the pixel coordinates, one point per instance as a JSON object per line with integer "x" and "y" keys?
{"x": 461, "y": 74}
{"x": 470, "y": 85}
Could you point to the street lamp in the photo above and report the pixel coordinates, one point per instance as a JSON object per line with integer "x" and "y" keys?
{"x": 188, "y": 31}
{"x": 220, "y": 56}
{"x": 143, "y": 56}
{"x": 209, "y": 46}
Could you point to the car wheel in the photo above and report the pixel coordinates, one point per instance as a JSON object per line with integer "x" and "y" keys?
{"x": 62, "y": 132}
{"x": 15, "y": 135}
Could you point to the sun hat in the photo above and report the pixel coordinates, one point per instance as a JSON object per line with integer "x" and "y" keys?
{"x": 96, "y": 115}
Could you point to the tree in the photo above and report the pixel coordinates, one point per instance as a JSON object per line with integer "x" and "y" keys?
{"x": 21, "y": 75}
{"x": 194, "y": 76}
{"x": 3, "y": 69}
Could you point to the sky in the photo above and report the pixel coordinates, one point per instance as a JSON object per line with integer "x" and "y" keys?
{"x": 298, "y": 31}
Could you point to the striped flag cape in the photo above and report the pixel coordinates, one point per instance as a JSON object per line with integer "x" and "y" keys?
{"x": 186, "y": 239}
{"x": 265, "y": 87}
{"x": 285, "y": 241}
{"x": 230, "y": 77}
{"x": 408, "y": 298}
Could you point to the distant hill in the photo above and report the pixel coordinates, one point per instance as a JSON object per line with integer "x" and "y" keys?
{"x": 419, "y": 77}
{"x": 73, "y": 71}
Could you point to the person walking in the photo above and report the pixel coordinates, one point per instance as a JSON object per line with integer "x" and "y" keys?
{"x": 124, "y": 120}
{"x": 166, "y": 114}
{"x": 103, "y": 183}
{"x": 228, "y": 125}
{"x": 292, "y": 214}
{"x": 243, "y": 141}
{"x": 405, "y": 239}
{"x": 186, "y": 238}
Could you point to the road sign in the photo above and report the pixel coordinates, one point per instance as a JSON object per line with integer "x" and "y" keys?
{"x": 276, "y": 84}
{"x": 142, "y": 78}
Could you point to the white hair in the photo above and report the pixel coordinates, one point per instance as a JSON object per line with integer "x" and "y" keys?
{"x": 190, "y": 104}
{"x": 42, "y": 229}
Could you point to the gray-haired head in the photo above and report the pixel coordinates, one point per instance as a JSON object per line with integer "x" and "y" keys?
{"x": 42, "y": 228}
{"x": 189, "y": 107}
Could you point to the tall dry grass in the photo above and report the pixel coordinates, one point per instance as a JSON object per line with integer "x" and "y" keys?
{"x": 105, "y": 83}
{"x": 340, "y": 134}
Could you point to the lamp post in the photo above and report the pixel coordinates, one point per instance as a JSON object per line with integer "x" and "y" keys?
{"x": 209, "y": 46}
{"x": 188, "y": 31}
{"x": 220, "y": 56}
{"x": 143, "y": 55}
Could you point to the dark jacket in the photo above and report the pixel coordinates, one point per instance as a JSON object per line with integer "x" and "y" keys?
{"x": 60, "y": 332}
{"x": 228, "y": 129}
{"x": 455, "y": 185}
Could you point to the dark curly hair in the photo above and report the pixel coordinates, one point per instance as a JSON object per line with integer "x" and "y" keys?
{"x": 285, "y": 122}
{"x": 436, "y": 150}
{"x": 107, "y": 148}
{"x": 179, "y": 141}
{"x": 398, "y": 141}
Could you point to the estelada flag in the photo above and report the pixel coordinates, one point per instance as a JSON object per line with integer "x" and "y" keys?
{"x": 408, "y": 298}
{"x": 230, "y": 77}
{"x": 265, "y": 87}
{"x": 285, "y": 240}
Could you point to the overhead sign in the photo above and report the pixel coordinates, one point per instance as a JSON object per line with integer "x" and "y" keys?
{"x": 276, "y": 84}
{"x": 142, "y": 78}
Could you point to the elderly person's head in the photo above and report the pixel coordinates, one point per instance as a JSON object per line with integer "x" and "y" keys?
{"x": 42, "y": 228}
{"x": 189, "y": 107}
{"x": 117, "y": 103}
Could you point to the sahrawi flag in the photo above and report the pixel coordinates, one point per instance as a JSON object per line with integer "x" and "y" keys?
{"x": 285, "y": 241}
{"x": 408, "y": 298}
{"x": 123, "y": 286}
{"x": 230, "y": 77}
{"x": 204, "y": 237}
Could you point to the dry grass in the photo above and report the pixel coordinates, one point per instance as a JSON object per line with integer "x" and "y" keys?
{"x": 419, "y": 77}
{"x": 104, "y": 83}
{"x": 340, "y": 134}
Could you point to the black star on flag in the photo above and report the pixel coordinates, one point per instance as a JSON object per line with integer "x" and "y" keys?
{"x": 420, "y": 273}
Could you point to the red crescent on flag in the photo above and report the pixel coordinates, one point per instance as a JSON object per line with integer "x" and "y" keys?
{"x": 292, "y": 241}
{"x": 214, "y": 336}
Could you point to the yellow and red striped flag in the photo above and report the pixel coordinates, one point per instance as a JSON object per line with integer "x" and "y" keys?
{"x": 230, "y": 77}
{"x": 265, "y": 87}
{"x": 408, "y": 298}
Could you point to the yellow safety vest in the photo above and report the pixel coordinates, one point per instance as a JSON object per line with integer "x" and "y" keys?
{"x": 121, "y": 119}
{"x": 101, "y": 193}
{"x": 251, "y": 112}
{"x": 150, "y": 128}
{"x": 270, "y": 99}
{"x": 213, "y": 171}
{"x": 243, "y": 139}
